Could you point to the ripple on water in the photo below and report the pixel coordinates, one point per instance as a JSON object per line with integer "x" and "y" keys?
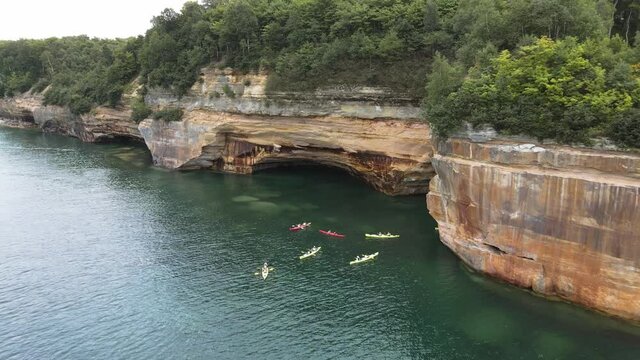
{"x": 552, "y": 345}
{"x": 489, "y": 325}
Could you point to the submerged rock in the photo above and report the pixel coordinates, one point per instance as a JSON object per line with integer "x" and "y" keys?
{"x": 265, "y": 207}
{"x": 244, "y": 198}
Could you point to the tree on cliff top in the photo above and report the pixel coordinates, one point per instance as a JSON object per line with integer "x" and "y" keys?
{"x": 550, "y": 90}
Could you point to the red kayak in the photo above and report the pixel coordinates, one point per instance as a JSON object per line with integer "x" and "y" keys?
{"x": 331, "y": 233}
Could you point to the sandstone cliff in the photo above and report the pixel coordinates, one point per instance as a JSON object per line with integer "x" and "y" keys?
{"x": 102, "y": 124}
{"x": 231, "y": 125}
{"x": 561, "y": 221}
{"x": 392, "y": 155}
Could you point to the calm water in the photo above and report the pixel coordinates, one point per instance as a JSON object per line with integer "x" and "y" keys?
{"x": 103, "y": 256}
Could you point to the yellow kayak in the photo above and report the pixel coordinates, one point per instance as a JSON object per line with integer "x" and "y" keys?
{"x": 382, "y": 236}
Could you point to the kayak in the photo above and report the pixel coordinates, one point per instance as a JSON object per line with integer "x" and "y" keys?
{"x": 381, "y": 236}
{"x": 299, "y": 227}
{"x": 331, "y": 233}
{"x": 314, "y": 250}
{"x": 264, "y": 272}
{"x": 364, "y": 258}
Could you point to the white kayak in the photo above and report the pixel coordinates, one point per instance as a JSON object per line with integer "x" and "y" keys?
{"x": 364, "y": 258}
{"x": 311, "y": 252}
{"x": 264, "y": 272}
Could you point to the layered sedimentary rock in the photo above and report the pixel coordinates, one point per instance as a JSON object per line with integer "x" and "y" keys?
{"x": 101, "y": 124}
{"x": 392, "y": 155}
{"x": 561, "y": 221}
{"x": 231, "y": 124}
{"x": 18, "y": 112}
{"x": 231, "y": 92}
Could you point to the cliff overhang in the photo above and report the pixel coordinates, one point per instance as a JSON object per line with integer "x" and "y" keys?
{"x": 391, "y": 155}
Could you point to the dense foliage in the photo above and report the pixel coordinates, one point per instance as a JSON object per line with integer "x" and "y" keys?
{"x": 547, "y": 69}
{"x": 562, "y": 90}
{"x": 168, "y": 114}
{"x": 76, "y": 71}
{"x": 561, "y": 69}
{"x": 302, "y": 43}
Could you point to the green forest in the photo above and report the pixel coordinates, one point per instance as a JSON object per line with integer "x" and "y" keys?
{"x": 567, "y": 70}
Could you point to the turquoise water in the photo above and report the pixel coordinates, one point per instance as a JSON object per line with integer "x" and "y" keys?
{"x": 104, "y": 256}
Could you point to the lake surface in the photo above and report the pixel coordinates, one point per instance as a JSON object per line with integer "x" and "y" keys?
{"x": 103, "y": 256}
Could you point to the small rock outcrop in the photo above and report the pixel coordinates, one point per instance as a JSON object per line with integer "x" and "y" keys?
{"x": 560, "y": 221}
{"x": 100, "y": 125}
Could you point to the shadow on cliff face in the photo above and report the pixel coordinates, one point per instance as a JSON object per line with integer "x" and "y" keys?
{"x": 330, "y": 172}
{"x": 303, "y": 165}
{"x": 121, "y": 140}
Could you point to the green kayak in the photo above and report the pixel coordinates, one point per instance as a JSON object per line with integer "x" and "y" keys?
{"x": 382, "y": 236}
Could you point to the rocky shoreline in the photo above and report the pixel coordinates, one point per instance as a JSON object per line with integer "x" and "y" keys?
{"x": 558, "y": 220}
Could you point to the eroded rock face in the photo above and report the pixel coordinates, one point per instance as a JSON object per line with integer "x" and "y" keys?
{"x": 233, "y": 125}
{"x": 392, "y": 155}
{"x": 231, "y": 92}
{"x": 102, "y": 124}
{"x": 558, "y": 220}
{"x": 18, "y": 112}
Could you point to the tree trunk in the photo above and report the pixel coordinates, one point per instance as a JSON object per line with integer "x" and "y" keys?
{"x": 613, "y": 16}
{"x": 626, "y": 34}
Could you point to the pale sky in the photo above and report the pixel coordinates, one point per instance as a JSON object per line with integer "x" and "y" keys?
{"x": 39, "y": 19}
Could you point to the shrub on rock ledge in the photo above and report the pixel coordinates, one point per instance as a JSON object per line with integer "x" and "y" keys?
{"x": 169, "y": 114}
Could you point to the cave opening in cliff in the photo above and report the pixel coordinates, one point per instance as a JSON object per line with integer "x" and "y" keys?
{"x": 303, "y": 165}
{"x": 333, "y": 171}
{"x": 120, "y": 139}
